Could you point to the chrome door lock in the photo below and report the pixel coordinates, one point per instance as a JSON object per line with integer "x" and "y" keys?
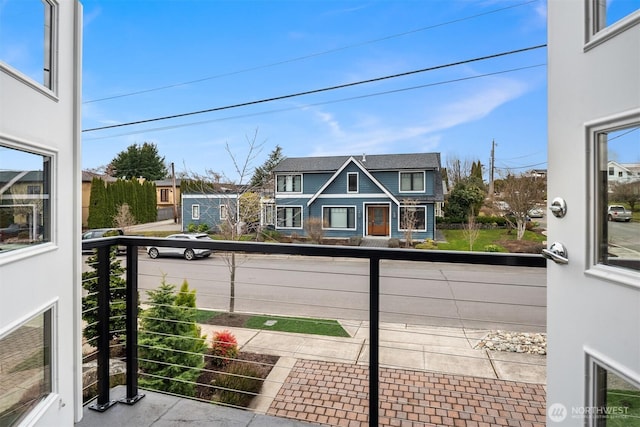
{"x": 558, "y": 207}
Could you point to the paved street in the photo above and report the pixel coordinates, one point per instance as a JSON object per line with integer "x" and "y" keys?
{"x": 439, "y": 294}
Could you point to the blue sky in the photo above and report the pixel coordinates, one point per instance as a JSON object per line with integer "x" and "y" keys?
{"x": 145, "y": 59}
{"x": 241, "y": 51}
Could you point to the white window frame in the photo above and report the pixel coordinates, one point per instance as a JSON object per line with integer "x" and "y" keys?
{"x": 355, "y": 217}
{"x": 597, "y": 31}
{"x": 278, "y": 207}
{"x": 224, "y": 212}
{"x": 350, "y": 174}
{"x": 48, "y": 85}
{"x": 291, "y": 175}
{"x": 29, "y": 148}
{"x": 412, "y": 206}
{"x": 424, "y": 181}
{"x": 195, "y": 211}
{"x": 595, "y": 268}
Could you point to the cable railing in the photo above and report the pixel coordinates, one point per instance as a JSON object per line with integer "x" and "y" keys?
{"x": 428, "y": 310}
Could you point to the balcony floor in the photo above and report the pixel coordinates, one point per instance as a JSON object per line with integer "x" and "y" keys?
{"x": 161, "y": 410}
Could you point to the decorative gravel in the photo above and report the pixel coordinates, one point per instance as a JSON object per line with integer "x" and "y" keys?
{"x": 515, "y": 342}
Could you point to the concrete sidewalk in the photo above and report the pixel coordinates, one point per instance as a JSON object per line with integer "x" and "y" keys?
{"x": 416, "y": 348}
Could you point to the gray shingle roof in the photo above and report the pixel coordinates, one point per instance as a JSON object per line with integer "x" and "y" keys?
{"x": 369, "y": 162}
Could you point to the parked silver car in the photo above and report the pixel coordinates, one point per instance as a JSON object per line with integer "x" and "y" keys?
{"x": 186, "y": 253}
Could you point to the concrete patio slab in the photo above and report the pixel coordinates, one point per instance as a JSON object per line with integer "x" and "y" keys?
{"x": 458, "y": 361}
{"x": 529, "y": 368}
{"x": 276, "y": 343}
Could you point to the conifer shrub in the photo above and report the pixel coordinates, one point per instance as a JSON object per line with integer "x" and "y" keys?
{"x": 171, "y": 349}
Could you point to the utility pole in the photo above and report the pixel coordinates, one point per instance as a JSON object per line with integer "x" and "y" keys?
{"x": 175, "y": 196}
{"x": 492, "y": 163}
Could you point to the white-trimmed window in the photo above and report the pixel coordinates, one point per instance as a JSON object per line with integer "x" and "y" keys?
{"x": 25, "y": 198}
{"x": 352, "y": 182}
{"x": 339, "y": 217}
{"x": 289, "y": 183}
{"x": 31, "y": 25}
{"x": 412, "y": 217}
{"x": 412, "y": 182}
{"x": 195, "y": 211}
{"x": 224, "y": 212}
{"x": 289, "y": 216}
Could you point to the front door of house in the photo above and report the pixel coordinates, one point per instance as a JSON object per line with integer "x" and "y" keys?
{"x": 378, "y": 220}
{"x": 593, "y": 277}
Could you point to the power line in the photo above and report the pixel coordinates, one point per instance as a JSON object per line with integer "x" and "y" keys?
{"x": 326, "y": 89}
{"x": 352, "y": 98}
{"x": 312, "y": 55}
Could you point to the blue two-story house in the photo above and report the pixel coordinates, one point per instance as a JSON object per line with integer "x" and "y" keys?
{"x": 372, "y": 195}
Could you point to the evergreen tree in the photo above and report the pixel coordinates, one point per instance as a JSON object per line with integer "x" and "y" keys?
{"x": 262, "y": 174}
{"x": 98, "y": 206}
{"x": 117, "y": 295}
{"x": 171, "y": 348}
{"x": 139, "y": 161}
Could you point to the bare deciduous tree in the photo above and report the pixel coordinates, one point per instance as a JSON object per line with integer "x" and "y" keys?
{"x": 628, "y": 192}
{"x": 408, "y": 220}
{"x": 241, "y": 203}
{"x": 124, "y": 218}
{"x": 471, "y": 230}
{"x": 457, "y": 169}
{"x": 522, "y": 193}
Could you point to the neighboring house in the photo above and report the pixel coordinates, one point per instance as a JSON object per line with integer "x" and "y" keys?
{"x": 622, "y": 173}
{"x": 40, "y": 284}
{"x": 536, "y": 173}
{"x": 214, "y": 206}
{"x": 359, "y": 196}
{"x": 87, "y": 178}
{"x": 168, "y": 197}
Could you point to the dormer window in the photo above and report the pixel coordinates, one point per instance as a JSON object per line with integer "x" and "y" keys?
{"x": 289, "y": 183}
{"x": 411, "y": 182}
{"x": 352, "y": 182}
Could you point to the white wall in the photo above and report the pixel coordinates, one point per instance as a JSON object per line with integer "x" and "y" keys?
{"x": 31, "y": 278}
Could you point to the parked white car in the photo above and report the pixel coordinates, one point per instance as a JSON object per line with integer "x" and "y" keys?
{"x": 186, "y": 253}
{"x": 535, "y": 213}
{"x": 618, "y": 213}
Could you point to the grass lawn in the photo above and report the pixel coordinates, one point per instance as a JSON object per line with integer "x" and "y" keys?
{"x": 301, "y": 325}
{"x": 619, "y": 399}
{"x": 457, "y": 242}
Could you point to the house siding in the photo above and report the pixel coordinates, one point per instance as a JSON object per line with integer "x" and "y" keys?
{"x": 209, "y": 207}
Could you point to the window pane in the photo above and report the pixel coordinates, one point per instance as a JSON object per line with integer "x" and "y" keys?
{"x": 24, "y": 199}
{"x": 352, "y": 185}
{"x": 405, "y": 182}
{"x": 619, "y": 197}
{"x": 25, "y": 377}
{"x": 616, "y": 401}
{"x": 27, "y": 23}
{"x": 616, "y": 10}
{"x": 418, "y": 182}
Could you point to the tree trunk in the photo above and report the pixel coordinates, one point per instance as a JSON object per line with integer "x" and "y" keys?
{"x": 232, "y": 283}
{"x": 522, "y": 226}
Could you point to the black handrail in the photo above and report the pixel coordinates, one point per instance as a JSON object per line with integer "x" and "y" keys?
{"x": 374, "y": 255}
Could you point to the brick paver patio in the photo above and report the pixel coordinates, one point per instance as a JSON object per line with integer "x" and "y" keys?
{"x": 336, "y": 394}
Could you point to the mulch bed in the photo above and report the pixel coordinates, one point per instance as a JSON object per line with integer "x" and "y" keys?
{"x": 232, "y": 320}
{"x": 522, "y": 246}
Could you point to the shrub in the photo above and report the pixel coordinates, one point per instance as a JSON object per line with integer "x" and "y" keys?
{"x": 224, "y": 348}
{"x": 492, "y": 248}
{"x": 427, "y": 244}
{"x": 394, "y": 243}
{"x": 239, "y": 385}
{"x": 191, "y": 228}
{"x": 313, "y": 227}
{"x": 203, "y": 228}
{"x": 355, "y": 241}
{"x": 171, "y": 348}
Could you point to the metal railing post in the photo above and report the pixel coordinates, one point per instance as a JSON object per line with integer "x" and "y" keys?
{"x": 132, "y": 327}
{"x": 374, "y": 339}
{"x": 103, "y": 271}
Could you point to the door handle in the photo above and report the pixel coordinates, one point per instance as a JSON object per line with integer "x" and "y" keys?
{"x": 556, "y": 253}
